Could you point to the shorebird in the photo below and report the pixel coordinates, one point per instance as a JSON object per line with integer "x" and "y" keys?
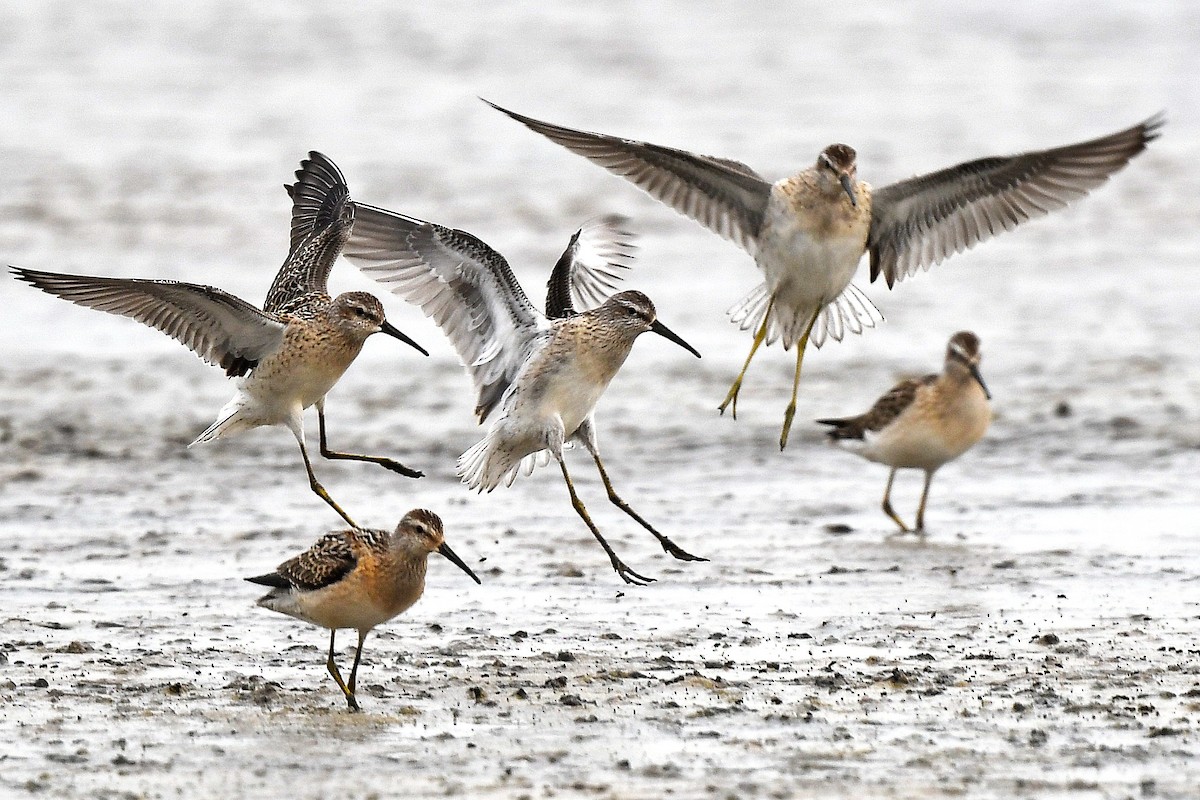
{"x": 808, "y": 232}
{"x": 543, "y": 373}
{"x": 922, "y": 423}
{"x": 287, "y": 355}
{"x": 358, "y": 579}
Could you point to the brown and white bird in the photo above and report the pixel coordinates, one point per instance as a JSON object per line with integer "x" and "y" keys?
{"x": 808, "y": 232}
{"x": 288, "y": 355}
{"x": 543, "y": 373}
{"x": 922, "y": 423}
{"x": 358, "y": 579}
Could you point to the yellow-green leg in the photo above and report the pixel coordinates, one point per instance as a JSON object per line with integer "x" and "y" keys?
{"x": 627, "y": 575}
{"x": 732, "y": 396}
{"x": 887, "y": 504}
{"x": 790, "y": 413}
{"x": 337, "y": 676}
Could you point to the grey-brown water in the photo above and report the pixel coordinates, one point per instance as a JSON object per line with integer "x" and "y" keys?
{"x": 1040, "y": 643}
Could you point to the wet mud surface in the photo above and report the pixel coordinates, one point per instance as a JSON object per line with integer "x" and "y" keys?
{"x": 1041, "y": 642}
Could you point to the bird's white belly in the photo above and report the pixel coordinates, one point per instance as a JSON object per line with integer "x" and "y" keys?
{"x": 277, "y": 392}
{"x": 909, "y": 448}
{"x": 803, "y": 273}
{"x": 928, "y": 442}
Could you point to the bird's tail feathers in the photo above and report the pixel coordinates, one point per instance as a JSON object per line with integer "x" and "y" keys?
{"x": 851, "y": 312}
{"x": 487, "y": 464}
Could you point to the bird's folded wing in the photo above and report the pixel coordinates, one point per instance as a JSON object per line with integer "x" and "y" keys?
{"x": 725, "y": 196}
{"x": 590, "y": 268}
{"x": 923, "y": 220}
{"x": 461, "y": 283}
{"x": 220, "y": 328}
{"x": 323, "y": 564}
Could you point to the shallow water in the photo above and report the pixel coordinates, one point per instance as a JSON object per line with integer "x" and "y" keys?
{"x": 1041, "y": 642}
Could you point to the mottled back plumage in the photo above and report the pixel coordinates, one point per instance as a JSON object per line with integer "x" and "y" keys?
{"x": 331, "y": 558}
{"x": 885, "y": 410}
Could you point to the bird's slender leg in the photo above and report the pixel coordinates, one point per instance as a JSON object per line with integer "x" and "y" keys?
{"x": 887, "y": 503}
{"x": 353, "y": 682}
{"x": 790, "y": 413}
{"x": 627, "y": 575}
{"x": 759, "y": 336}
{"x": 298, "y": 431}
{"x": 667, "y": 545}
{"x": 921, "y": 508}
{"x": 386, "y": 463}
{"x": 337, "y": 676}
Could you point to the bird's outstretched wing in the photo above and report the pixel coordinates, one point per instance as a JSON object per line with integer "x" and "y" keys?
{"x": 923, "y": 220}
{"x": 462, "y": 284}
{"x": 590, "y": 268}
{"x": 322, "y": 216}
{"x": 724, "y": 196}
{"x": 220, "y": 328}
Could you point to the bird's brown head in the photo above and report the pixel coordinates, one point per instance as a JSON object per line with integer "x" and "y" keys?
{"x": 423, "y": 528}
{"x": 360, "y": 314}
{"x": 963, "y": 353}
{"x": 632, "y": 313}
{"x": 837, "y": 168}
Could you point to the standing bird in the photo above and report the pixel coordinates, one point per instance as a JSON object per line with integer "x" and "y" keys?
{"x": 923, "y": 423}
{"x": 358, "y": 579}
{"x": 288, "y": 355}
{"x": 808, "y": 232}
{"x": 544, "y": 373}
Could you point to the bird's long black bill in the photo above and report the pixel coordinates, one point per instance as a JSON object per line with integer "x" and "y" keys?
{"x": 392, "y": 330}
{"x": 975, "y": 374}
{"x": 849, "y": 187}
{"x": 667, "y": 333}
{"x": 458, "y": 562}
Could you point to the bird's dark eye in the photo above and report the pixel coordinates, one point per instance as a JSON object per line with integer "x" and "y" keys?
{"x": 360, "y": 312}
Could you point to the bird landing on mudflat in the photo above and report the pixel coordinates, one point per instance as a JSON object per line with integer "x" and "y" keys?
{"x": 543, "y": 374}
{"x": 288, "y": 355}
{"x": 808, "y": 232}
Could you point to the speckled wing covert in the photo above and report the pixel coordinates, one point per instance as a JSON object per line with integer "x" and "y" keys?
{"x": 220, "y": 328}
{"x": 325, "y": 563}
{"x": 882, "y": 414}
{"x": 463, "y": 285}
{"x": 921, "y": 221}
{"x": 590, "y": 268}
{"x": 724, "y": 196}
{"x": 322, "y": 217}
